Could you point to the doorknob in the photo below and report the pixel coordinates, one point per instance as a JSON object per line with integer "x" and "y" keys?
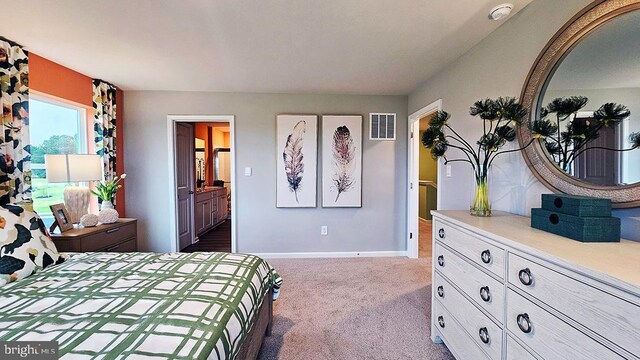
{"x": 190, "y": 192}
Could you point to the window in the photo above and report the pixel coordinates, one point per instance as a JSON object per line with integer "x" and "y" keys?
{"x": 55, "y": 128}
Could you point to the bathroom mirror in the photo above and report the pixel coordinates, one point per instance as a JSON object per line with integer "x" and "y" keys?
{"x": 595, "y": 55}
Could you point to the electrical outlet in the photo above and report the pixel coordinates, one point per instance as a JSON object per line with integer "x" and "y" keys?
{"x": 324, "y": 230}
{"x": 448, "y": 170}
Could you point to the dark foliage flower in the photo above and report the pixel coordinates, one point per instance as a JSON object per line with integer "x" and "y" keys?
{"x": 491, "y": 142}
{"x": 542, "y": 128}
{"x": 635, "y": 140}
{"x": 431, "y": 136}
{"x": 510, "y": 109}
{"x": 564, "y": 107}
{"x": 552, "y": 147}
{"x": 439, "y": 148}
{"x": 611, "y": 113}
{"x": 486, "y": 109}
{"x": 439, "y": 119}
{"x": 506, "y": 132}
{"x": 543, "y": 112}
{"x": 583, "y": 129}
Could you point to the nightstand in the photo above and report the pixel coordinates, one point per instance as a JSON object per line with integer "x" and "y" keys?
{"x": 117, "y": 237}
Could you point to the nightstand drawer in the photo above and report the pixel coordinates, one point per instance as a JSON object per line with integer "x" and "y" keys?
{"x": 127, "y": 246}
{"x": 108, "y": 237}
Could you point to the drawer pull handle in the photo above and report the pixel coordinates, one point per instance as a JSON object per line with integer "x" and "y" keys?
{"x": 485, "y": 294}
{"x": 486, "y": 256}
{"x": 524, "y": 323}
{"x": 441, "y": 233}
{"x": 113, "y": 248}
{"x": 484, "y": 335}
{"x": 441, "y": 321}
{"x": 441, "y": 260}
{"x": 525, "y": 277}
{"x": 110, "y": 231}
{"x": 440, "y": 291}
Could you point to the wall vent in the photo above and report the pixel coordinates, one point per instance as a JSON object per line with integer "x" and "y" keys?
{"x": 382, "y": 126}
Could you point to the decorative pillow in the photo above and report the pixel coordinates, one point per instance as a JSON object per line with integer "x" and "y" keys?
{"x": 25, "y": 246}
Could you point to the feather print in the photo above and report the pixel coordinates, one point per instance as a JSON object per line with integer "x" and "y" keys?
{"x": 293, "y": 159}
{"x": 343, "y": 159}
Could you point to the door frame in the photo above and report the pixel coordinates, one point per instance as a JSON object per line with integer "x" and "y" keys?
{"x": 173, "y": 203}
{"x": 413, "y": 169}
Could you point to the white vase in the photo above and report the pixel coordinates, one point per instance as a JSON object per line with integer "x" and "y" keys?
{"x": 106, "y": 204}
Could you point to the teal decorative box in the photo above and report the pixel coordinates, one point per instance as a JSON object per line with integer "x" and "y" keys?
{"x": 584, "y": 229}
{"x": 577, "y": 205}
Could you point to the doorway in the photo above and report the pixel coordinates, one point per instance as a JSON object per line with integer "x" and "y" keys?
{"x": 423, "y": 194}
{"x": 202, "y": 182}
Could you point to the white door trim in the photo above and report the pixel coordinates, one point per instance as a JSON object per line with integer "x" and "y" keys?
{"x": 171, "y": 131}
{"x": 413, "y": 166}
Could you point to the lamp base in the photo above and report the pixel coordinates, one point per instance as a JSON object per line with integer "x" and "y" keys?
{"x": 76, "y": 200}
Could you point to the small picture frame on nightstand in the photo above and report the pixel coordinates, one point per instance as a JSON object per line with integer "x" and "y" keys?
{"x": 62, "y": 218}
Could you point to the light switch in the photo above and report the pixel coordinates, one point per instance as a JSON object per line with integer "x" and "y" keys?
{"x": 247, "y": 171}
{"x": 448, "y": 170}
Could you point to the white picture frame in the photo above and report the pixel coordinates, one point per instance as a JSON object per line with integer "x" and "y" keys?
{"x": 297, "y": 161}
{"x": 342, "y": 161}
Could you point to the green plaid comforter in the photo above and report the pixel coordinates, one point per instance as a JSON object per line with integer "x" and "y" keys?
{"x": 140, "y": 305}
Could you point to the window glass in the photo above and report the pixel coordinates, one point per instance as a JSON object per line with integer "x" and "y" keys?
{"x": 55, "y": 128}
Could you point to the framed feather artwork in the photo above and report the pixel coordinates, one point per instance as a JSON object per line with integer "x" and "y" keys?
{"x": 297, "y": 160}
{"x": 341, "y": 161}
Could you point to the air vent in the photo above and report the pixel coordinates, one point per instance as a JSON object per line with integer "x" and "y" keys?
{"x": 383, "y": 126}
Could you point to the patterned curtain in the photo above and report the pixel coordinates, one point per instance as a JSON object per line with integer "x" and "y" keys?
{"x": 15, "y": 149}
{"x": 104, "y": 105}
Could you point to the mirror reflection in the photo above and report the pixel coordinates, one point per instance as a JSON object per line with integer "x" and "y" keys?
{"x": 593, "y": 97}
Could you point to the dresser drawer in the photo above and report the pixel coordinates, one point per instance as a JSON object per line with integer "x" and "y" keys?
{"x": 551, "y": 337}
{"x": 478, "y": 251}
{"x": 486, "y": 334}
{"x": 610, "y": 316}
{"x": 454, "y": 335}
{"x": 108, "y": 237}
{"x": 516, "y": 352}
{"x": 486, "y": 291}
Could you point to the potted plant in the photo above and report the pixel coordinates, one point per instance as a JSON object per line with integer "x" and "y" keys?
{"x": 500, "y": 118}
{"x": 106, "y": 190}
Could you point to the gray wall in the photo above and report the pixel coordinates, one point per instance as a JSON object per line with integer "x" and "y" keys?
{"x": 262, "y": 228}
{"x": 498, "y": 66}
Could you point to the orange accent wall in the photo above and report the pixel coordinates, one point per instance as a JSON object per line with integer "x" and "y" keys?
{"x": 53, "y": 79}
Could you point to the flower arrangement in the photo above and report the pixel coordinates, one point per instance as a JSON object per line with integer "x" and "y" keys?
{"x": 565, "y": 145}
{"x": 500, "y": 118}
{"x": 106, "y": 189}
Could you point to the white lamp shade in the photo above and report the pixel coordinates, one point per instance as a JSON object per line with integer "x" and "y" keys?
{"x": 73, "y": 168}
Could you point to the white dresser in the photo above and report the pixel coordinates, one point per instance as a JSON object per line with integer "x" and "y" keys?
{"x": 503, "y": 290}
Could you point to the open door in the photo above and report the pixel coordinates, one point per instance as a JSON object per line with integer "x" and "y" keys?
{"x": 185, "y": 149}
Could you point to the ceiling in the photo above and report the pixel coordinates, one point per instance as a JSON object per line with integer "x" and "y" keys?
{"x": 607, "y": 58}
{"x": 287, "y": 46}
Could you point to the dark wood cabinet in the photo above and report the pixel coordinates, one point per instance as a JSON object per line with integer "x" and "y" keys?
{"x": 117, "y": 237}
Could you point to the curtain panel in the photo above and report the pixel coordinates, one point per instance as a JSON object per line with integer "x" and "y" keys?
{"x": 104, "y": 105}
{"x": 15, "y": 148}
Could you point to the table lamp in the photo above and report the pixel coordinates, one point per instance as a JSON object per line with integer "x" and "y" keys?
{"x": 74, "y": 168}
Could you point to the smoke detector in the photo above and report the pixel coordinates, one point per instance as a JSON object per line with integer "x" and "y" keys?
{"x": 500, "y": 12}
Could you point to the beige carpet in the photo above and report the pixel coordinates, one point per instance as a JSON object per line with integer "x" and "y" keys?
{"x": 362, "y": 308}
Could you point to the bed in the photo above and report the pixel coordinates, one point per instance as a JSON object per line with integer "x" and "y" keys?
{"x": 145, "y": 305}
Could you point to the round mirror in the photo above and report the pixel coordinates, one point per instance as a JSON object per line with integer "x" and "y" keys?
{"x": 586, "y": 82}
{"x": 602, "y": 68}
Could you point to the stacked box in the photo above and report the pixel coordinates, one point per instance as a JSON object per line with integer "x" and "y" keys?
{"x": 579, "y": 218}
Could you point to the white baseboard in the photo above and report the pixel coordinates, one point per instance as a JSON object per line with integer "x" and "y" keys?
{"x": 351, "y": 254}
